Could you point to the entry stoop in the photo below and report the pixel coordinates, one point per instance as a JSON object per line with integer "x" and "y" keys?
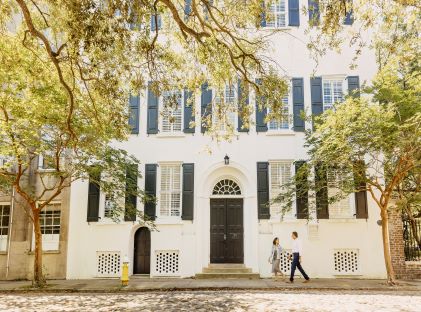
{"x": 227, "y": 270}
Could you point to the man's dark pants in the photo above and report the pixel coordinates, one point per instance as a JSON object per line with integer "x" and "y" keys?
{"x": 296, "y": 264}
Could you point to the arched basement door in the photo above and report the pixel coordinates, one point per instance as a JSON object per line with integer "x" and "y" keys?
{"x": 142, "y": 251}
{"x": 226, "y": 223}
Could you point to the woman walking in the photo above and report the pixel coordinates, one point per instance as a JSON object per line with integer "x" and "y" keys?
{"x": 275, "y": 257}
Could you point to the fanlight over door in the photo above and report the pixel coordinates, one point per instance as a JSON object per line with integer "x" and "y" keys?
{"x": 226, "y": 187}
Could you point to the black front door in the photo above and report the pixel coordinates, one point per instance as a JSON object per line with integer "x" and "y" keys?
{"x": 142, "y": 251}
{"x": 226, "y": 230}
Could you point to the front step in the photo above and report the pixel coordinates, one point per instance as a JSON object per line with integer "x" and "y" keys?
{"x": 227, "y": 270}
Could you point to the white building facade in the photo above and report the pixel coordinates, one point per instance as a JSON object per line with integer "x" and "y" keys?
{"x": 211, "y": 209}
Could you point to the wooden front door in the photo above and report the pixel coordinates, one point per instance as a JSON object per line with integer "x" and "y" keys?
{"x": 226, "y": 230}
{"x": 142, "y": 251}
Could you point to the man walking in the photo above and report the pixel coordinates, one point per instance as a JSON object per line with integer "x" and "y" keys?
{"x": 296, "y": 258}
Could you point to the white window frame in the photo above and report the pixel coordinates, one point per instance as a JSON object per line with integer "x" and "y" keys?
{"x": 50, "y": 241}
{"x": 290, "y": 110}
{"x": 4, "y": 237}
{"x": 234, "y": 113}
{"x": 274, "y": 13}
{"x": 172, "y": 124}
{"x": 292, "y": 212}
{"x": 331, "y": 80}
{"x": 159, "y": 191}
{"x": 349, "y": 200}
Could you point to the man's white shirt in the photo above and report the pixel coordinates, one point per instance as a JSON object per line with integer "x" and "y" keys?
{"x": 296, "y": 246}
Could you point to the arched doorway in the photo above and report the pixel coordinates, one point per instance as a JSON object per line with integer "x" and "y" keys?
{"x": 142, "y": 251}
{"x": 226, "y": 223}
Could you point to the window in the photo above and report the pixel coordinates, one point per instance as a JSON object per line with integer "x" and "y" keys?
{"x": 4, "y": 226}
{"x": 332, "y": 92}
{"x": 172, "y": 115}
{"x": 225, "y": 99}
{"x": 280, "y": 173}
{"x": 283, "y": 122}
{"x": 50, "y": 220}
{"x": 170, "y": 190}
{"x": 277, "y": 14}
{"x": 340, "y": 208}
{"x": 108, "y": 206}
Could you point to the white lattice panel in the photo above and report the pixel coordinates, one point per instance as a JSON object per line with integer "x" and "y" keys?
{"x": 346, "y": 261}
{"x": 108, "y": 263}
{"x": 167, "y": 262}
{"x": 285, "y": 264}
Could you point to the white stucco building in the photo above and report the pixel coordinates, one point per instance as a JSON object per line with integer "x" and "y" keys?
{"x": 212, "y": 212}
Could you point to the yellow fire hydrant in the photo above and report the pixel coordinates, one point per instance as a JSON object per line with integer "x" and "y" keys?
{"x": 125, "y": 272}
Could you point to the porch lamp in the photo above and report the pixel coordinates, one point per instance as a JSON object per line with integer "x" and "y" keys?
{"x": 226, "y": 160}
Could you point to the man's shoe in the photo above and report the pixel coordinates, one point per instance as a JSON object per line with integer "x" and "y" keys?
{"x": 290, "y": 282}
{"x": 306, "y": 281}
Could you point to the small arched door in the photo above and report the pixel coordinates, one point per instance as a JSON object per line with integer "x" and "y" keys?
{"x": 142, "y": 251}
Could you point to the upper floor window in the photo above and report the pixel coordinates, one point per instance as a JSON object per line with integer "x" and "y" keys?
{"x": 108, "y": 206}
{"x": 281, "y": 123}
{"x": 4, "y": 226}
{"x": 170, "y": 190}
{"x": 171, "y": 113}
{"x": 277, "y": 14}
{"x": 280, "y": 173}
{"x": 332, "y": 92}
{"x": 225, "y": 114}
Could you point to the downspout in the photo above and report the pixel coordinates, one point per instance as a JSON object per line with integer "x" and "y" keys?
{"x": 10, "y": 232}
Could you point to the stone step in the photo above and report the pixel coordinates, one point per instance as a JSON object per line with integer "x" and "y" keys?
{"x": 217, "y": 270}
{"x": 226, "y": 265}
{"x": 227, "y": 275}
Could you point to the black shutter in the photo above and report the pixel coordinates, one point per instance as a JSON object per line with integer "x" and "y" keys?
{"x": 152, "y": 112}
{"x": 349, "y": 14}
{"x": 361, "y": 207}
{"x": 313, "y": 12}
{"x": 243, "y": 99}
{"x": 206, "y": 105}
{"x": 263, "y": 190}
{"x": 150, "y": 190}
{"x": 322, "y": 204}
{"x": 354, "y": 86}
{"x": 188, "y": 192}
{"x": 188, "y": 112}
{"x": 93, "y": 198}
{"x": 187, "y": 10}
{"x": 316, "y": 95}
{"x": 134, "y": 114}
{"x": 302, "y": 195}
{"x": 298, "y": 103}
{"x": 261, "y": 125}
{"x": 130, "y": 202}
{"x": 294, "y": 12}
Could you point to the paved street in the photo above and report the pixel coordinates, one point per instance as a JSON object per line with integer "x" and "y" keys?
{"x": 213, "y": 301}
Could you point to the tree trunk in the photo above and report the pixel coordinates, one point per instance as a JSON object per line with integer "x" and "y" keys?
{"x": 391, "y": 279}
{"x": 39, "y": 279}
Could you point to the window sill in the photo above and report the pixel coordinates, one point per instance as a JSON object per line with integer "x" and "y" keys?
{"x": 169, "y": 221}
{"x": 45, "y": 170}
{"x": 340, "y": 220}
{"x": 52, "y": 252}
{"x": 272, "y": 28}
{"x": 3, "y": 252}
{"x": 280, "y": 133}
{"x": 109, "y": 222}
{"x": 170, "y": 135}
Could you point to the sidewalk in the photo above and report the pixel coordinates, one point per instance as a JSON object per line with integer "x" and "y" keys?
{"x": 142, "y": 284}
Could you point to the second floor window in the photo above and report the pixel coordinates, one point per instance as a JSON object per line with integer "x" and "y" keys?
{"x": 225, "y": 115}
{"x": 4, "y": 226}
{"x": 277, "y": 14}
{"x": 170, "y": 190}
{"x": 281, "y": 123}
{"x": 332, "y": 92}
{"x": 172, "y": 114}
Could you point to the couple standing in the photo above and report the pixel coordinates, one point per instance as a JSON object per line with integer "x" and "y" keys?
{"x": 275, "y": 257}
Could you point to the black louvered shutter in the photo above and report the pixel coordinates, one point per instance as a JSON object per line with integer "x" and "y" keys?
{"x": 134, "y": 104}
{"x": 93, "y": 198}
{"x": 322, "y": 204}
{"x": 263, "y": 190}
{"x": 298, "y": 103}
{"x": 354, "y": 86}
{"x": 188, "y": 112}
{"x": 294, "y": 12}
{"x": 261, "y": 125}
{"x": 130, "y": 201}
{"x": 206, "y": 106}
{"x": 150, "y": 190}
{"x": 243, "y": 99}
{"x": 188, "y": 192}
{"x": 316, "y": 95}
{"x": 302, "y": 191}
{"x": 361, "y": 206}
{"x": 313, "y": 12}
{"x": 152, "y": 122}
